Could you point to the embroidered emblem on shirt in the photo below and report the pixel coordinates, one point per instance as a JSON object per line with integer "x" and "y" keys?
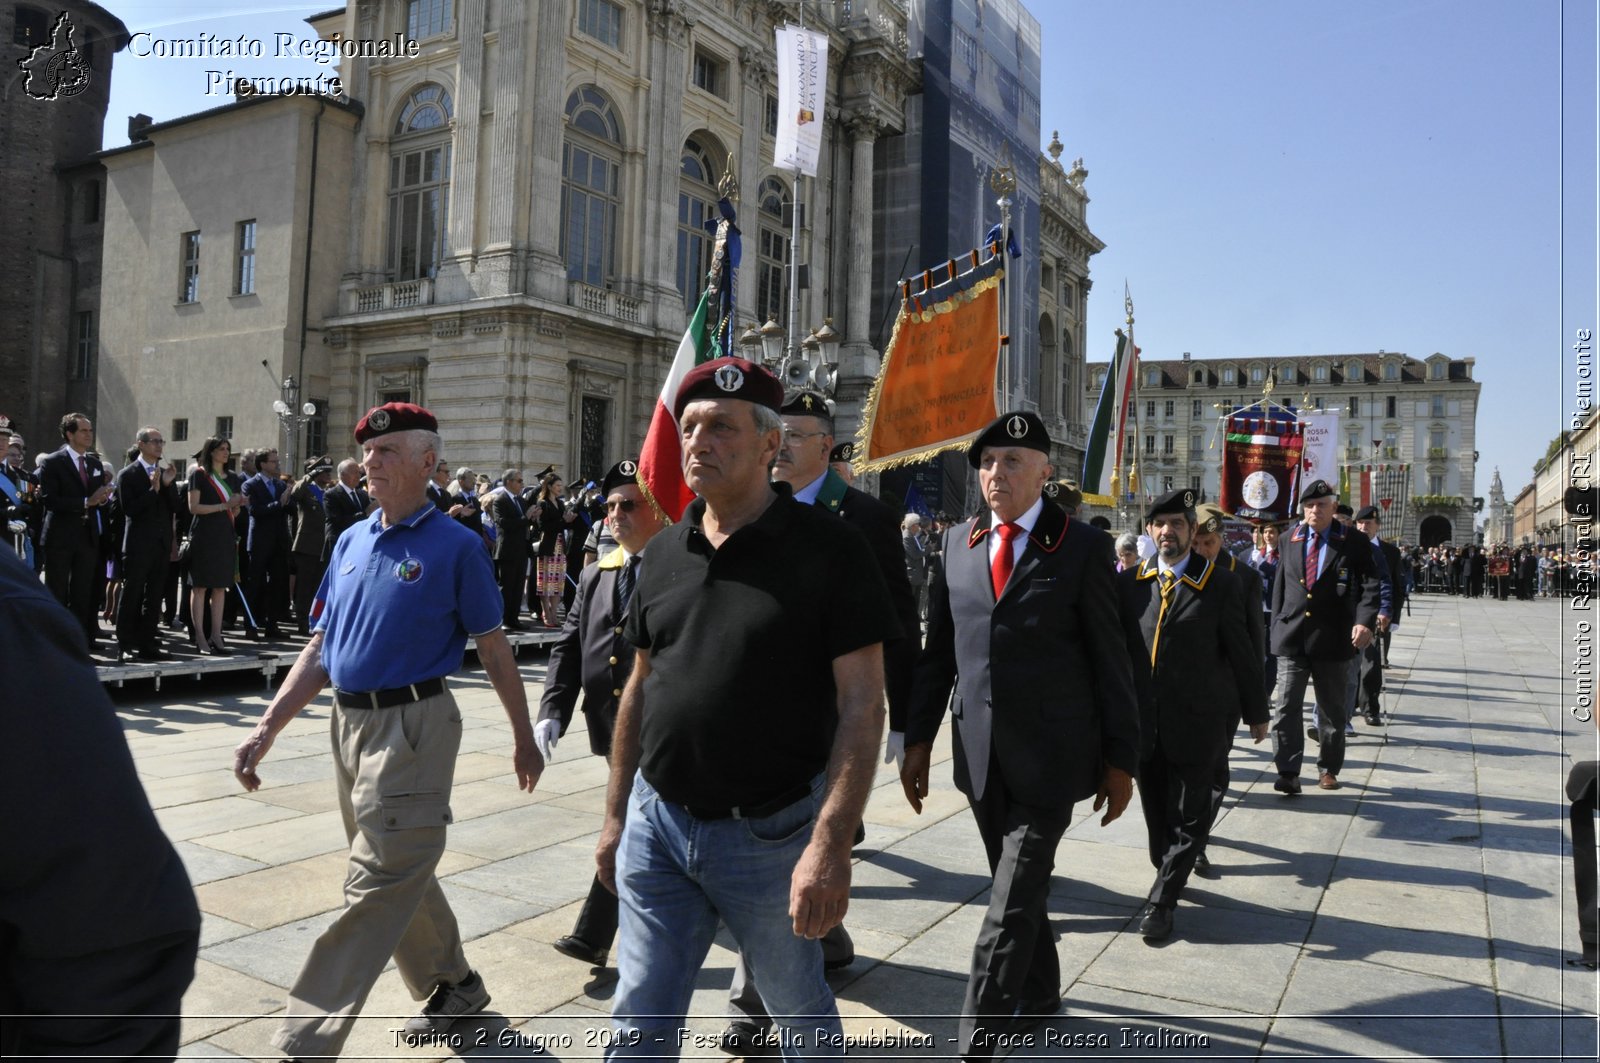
{"x": 409, "y": 570}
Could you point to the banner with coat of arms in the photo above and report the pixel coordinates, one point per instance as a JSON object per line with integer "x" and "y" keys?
{"x": 1261, "y": 463}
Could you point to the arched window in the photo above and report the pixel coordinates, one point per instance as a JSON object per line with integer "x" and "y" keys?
{"x": 772, "y": 294}
{"x": 697, "y": 204}
{"x": 591, "y": 155}
{"x": 419, "y": 184}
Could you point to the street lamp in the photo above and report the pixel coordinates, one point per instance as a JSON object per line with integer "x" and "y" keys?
{"x": 815, "y": 366}
{"x": 291, "y": 419}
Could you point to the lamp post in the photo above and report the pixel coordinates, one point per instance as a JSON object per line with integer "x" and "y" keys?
{"x": 291, "y": 419}
{"x": 815, "y": 366}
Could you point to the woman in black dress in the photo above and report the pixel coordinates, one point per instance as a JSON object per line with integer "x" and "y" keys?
{"x": 212, "y": 550}
{"x": 550, "y": 561}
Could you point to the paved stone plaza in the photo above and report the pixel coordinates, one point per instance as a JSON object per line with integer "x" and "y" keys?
{"x": 1424, "y": 911}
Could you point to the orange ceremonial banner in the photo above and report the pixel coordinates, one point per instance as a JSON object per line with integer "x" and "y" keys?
{"x": 935, "y": 391}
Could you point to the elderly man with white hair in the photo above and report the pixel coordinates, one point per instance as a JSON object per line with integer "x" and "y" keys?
{"x": 402, "y": 594}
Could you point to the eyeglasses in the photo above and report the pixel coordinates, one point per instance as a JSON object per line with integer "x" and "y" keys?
{"x": 790, "y": 435}
{"x": 624, "y": 506}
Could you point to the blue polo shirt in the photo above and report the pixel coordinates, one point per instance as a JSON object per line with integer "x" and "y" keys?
{"x": 398, "y": 604}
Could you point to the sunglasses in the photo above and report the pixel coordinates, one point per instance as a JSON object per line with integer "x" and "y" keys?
{"x": 625, "y": 506}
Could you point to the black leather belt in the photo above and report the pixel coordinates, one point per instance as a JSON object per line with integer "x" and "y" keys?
{"x": 766, "y": 808}
{"x": 388, "y": 699}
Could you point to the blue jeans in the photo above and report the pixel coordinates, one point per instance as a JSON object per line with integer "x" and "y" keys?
{"x": 676, "y": 877}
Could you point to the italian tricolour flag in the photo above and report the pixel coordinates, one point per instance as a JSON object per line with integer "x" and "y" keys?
{"x": 661, "y": 457}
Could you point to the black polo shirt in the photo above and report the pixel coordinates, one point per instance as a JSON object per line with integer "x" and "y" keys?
{"x": 740, "y": 704}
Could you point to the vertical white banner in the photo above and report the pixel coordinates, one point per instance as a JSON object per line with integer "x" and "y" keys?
{"x": 1320, "y": 458}
{"x": 802, "y": 89}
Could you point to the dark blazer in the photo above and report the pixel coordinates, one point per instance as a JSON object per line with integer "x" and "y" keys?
{"x": 1315, "y": 621}
{"x": 591, "y": 658}
{"x": 342, "y": 513}
{"x": 147, "y": 513}
{"x": 1397, "y": 577}
{"x": 1250, "y": 579}
{"x": 510, "y": 527}
{"x": 882, "y": 528}
{"x": 1207, "y": 669}
{"x": 438, "y": 496}
{"x": 269, "y": 505}
{"x": 311, "y": 523}
{"x": 1042, "y": 676}
{"x": 68, "y": 521}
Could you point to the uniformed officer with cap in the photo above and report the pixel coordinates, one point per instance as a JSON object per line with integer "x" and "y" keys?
{"x": 306, "y": 550}
{"x": 839, "y": 459}
{"x": 593, "y": 659}
{"x": 1203, "y": 672}
{"x": 404, "y": 591}
{"x": 1375, "y": 658}
{"x": 1324, "y": 608}
{"x": 1025, "y": 596}
{"x": 1207, "y": 543}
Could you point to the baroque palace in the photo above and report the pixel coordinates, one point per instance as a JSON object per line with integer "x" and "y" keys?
{"x": 508, "y": 226}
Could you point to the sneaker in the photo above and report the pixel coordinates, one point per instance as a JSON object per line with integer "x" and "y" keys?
{"x": 449, "y": 1003}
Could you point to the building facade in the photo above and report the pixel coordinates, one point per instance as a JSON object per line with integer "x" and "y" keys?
{"x": 52, "y": 114}
{"x": 224, "y": 241}
{"x": 1392, "y": 408}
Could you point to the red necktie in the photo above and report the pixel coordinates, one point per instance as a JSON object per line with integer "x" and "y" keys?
{"x": 1313, "y": 552}
{"x": 83, "y": 471}
{"x": 1000, "y": 567}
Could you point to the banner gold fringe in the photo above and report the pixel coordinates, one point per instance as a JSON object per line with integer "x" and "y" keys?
{"x": 870, "y": 411}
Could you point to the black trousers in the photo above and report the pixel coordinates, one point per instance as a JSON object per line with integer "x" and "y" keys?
{"x": 69, "y": 575}
{"x": 308, "y": 572}
{"x": 144, "y": 581}
{"x": 1330, "y": 679}
{"x": 1179, "y": 807}
{"x": 1014, "y": 961}
{"x": 510, "y": 570}
{"x": 1583, "y": 789}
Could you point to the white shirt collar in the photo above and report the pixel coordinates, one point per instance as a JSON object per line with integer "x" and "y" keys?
{"x": 1178, "y": 569}
{"x": 1027, "y": 520}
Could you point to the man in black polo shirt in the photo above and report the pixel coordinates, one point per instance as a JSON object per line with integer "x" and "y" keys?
{"x": 753, "y": 717}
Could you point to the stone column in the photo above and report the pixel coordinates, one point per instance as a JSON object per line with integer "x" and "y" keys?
{"x": 501, "y": 189}
{"x": 547, "y": 275}
{"x": 668, "y": 70}
{"x": 453, "y": 284}
{"x": 860, "y": 358}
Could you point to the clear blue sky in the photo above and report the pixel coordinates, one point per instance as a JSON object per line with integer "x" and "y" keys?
{"x": 1270, "y": 178}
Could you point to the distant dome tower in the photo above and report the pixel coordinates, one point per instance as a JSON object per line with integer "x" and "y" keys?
{"x": 55, "y": 81}
{"x": 1497, "y": 527}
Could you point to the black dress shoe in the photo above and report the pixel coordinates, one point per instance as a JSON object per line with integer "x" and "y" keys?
{"x": 579, "y": 949}
{"x": 838, "y": 963}
{"x": 1157, "y": 923}
{"x": 514, "y": 625}
{"x": 1287, "y": 784}
{"x": 274, "y": 632}
{"x": 252, "y": 634}
{"x": 1374, "y": 719}
{"x": 1203, "y": 868}
{"x": 154, "y": 655}
{"x": 748, "y": 1040}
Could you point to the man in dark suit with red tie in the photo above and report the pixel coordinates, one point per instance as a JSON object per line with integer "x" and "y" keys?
{"x": 1025, "y": 596}
{"x": 73, "y": 486}
{"x": 1324, "y": 609}
{"x": 148, "y": 492}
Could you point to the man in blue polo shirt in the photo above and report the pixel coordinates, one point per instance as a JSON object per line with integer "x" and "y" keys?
{"x": 403, "y": 592}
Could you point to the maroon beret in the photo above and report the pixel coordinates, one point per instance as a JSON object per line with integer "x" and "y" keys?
{"x": 729, "y": 378}
{"x": 394, "y": 417}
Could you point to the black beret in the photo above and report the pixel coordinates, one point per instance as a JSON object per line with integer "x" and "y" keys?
{"x": 845, "y": 451}
{"x": 394, "y": 417}
{"x": 807, "y": 403}
{"x": 1369, "y": 513}
{"x": 1178, "y": 500}
{"x": 729, "y": 378}
{"x": 1343, "y": 509}
{"x": 1019, "y": 428}
{"x": 623, "y": 472}
{"x": 1316, "y": 489}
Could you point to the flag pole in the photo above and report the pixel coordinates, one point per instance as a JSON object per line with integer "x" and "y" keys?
{"x": 1004, "y": 183}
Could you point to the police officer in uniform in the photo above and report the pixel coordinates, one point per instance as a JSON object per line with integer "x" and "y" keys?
{"x": 403, "y": 592}
{"x": 1324, "y": 609}
{"x": 1375, "y": 658}
{"x": 593, "y": 659}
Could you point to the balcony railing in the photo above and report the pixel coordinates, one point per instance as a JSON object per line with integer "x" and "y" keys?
{"x": 605, "y": 303}
{"x": 396, "y": 295}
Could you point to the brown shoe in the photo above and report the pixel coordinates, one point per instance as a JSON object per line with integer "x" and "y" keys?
{"x": 1328, "y": 782}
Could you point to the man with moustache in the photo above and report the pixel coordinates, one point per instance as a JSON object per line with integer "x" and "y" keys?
{"x": 745, "y": 740}
{"x": 594, "y": 660}
{"x": 1324, "y": 608}
{"x": 1204, "y": 672}
{"x": 803, "y": 463}
{"x": 1025, "y": 596}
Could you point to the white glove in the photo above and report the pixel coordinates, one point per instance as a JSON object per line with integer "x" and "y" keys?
{"x": 17, "y": 527}
{"x": 546, "y": 733}
{"x": 894, "y": 751}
